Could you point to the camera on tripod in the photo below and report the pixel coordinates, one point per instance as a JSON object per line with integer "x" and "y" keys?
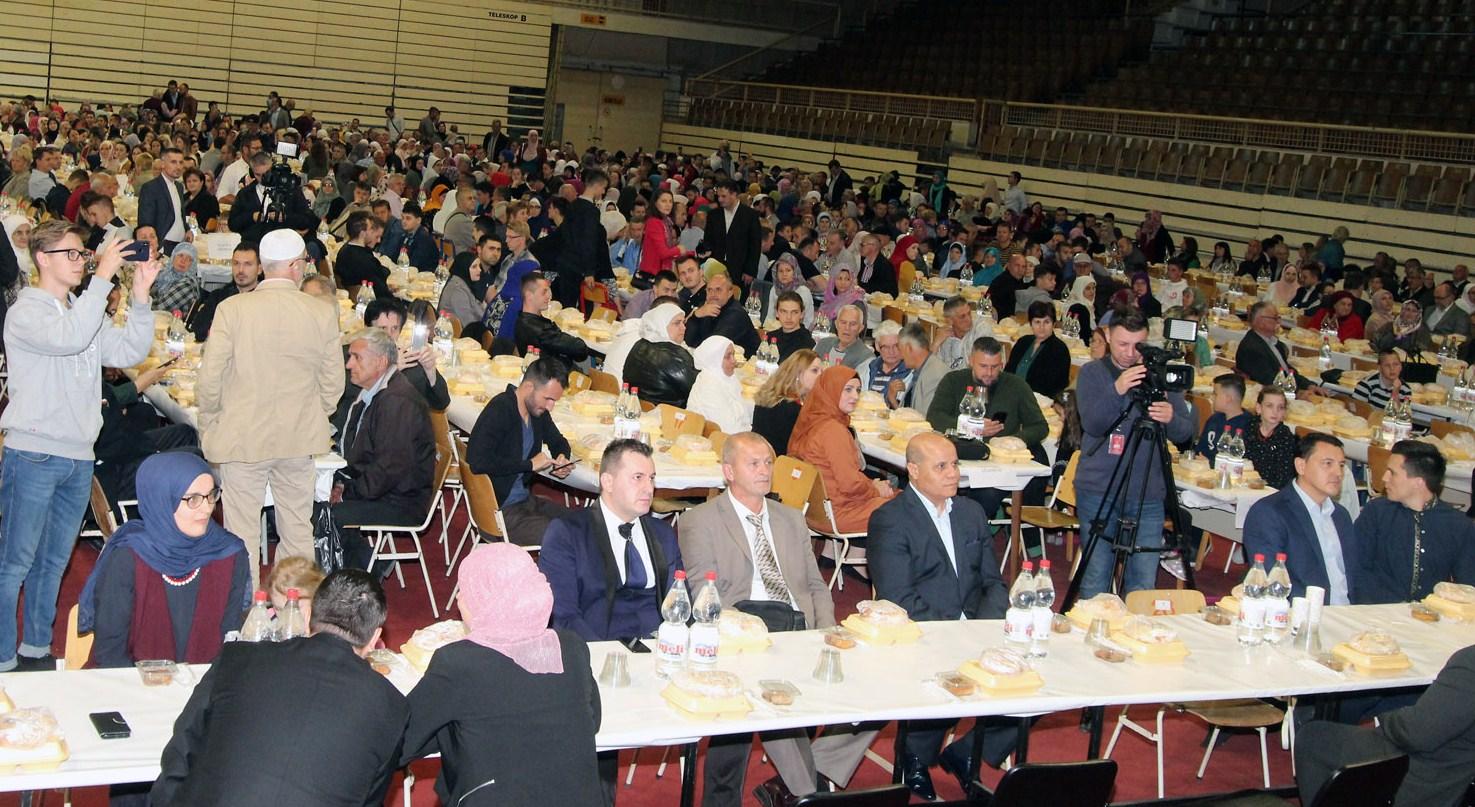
{"x": 1163, "y": 376}
{"x": 280, "y": 184}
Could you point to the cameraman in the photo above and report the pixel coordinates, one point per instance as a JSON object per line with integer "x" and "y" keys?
{"x": 1108, "y": 383}
{"x": 252, "y": 214}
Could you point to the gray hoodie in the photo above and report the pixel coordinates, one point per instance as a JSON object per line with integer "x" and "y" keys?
{"x": 56, "y": 355}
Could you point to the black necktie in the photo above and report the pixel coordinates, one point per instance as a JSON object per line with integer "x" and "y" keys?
{"x": 634, "y": 568}
{"x": 351, "y": 428}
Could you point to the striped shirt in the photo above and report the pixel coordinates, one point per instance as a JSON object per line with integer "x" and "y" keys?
{"x": 1371, "y": 389}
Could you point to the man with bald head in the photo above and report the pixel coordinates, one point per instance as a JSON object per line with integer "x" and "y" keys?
{"x": 761, "y": 553}
{"x": 931, "y": 552}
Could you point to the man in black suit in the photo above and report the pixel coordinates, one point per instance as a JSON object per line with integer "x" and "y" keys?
{"x": 840, "y": 182}
{"x": 1437, "y": 733}
{"x": 611, "y": 564}
{"x": 875, "y": 273}
{"x": 245, "y": 273}
{"x": 721, "y": 315}
{"x": 585, "y": 254}
{"x": 1261, "y": 355}
{"x": 161, "y": 200}
{"x": 249, "y": 214}
{"x": 514, "y": 438}
{"x": 388, "y": 443}
{"x": 734, "y": 234}
{"x": 931, "y": 552}
{"x": 268, "y": 724}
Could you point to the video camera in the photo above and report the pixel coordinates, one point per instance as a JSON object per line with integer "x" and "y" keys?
{"x": 1163, "y": 376}
{"x": 281, "y": 184}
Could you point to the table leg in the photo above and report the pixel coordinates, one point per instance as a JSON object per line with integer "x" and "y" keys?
{"x": 1016, "y": 533}
{"x": 689, "y": 775}
{"x": 1098, "y": 719}
{"x": 1021, "y": 745}
{"x": 898, "y": 752}
{"x": 975, "y": 756}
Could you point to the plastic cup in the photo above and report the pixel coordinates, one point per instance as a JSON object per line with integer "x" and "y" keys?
{"x": 616, "y": 671}
{"x": 827, "y": 670}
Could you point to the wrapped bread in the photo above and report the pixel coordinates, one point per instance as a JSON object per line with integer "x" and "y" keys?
{"x": 738, "y": 632}
{"x": 707, "y": 695}
{"x": 1105, "y": 606}
{"x": 1002, "y": 671}
{"x": 568, "y": 319}
{"x": 882, "y": 622}
{"x": 31, "y": 741}
{"x": 1195, "y": 471}
{"x": 1372, "y": 651}
{"x": 597, "y": 330}
{"x": 1352, "y": 426}
{"x": 591, "y": 403}
{"x": 505, "y": 367}
{"x": 906, "y": 414}
{"x": 871, "y": 401}
{"x": 868, "y": 423}
{"x": 1459, "y": 446}
{"x": 1151, "y": 641}
{"x": 1009, "y": 451}
{"x": 590, "y": 447}
{"x": 424, "y": 642}
{"x": 469, "y": 351}
{"x": 693, "y": 449}
{"x": 1454, "y": 600}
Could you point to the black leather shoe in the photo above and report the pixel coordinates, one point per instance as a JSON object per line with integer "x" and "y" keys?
{"x": 955, "y": 760}
{"x": 46, "y": 663}
{"x": 773, "y": 793}
{"x": 917, "y": 778}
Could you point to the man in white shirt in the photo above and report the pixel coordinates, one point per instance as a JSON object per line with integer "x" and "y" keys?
{"x": 394, "y": 189}
{"x": 955, "y": 348}
{"x": 761, "y": 553}
{"x": 1014, "y": 197}
{"x": 394, "y": 123}
{"x": 1304, "y": 522}
{"x": 235, "y": 176}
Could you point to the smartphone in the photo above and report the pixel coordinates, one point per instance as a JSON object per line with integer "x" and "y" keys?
{"x": 635, "y": 646}
{"x": 136, "y": 252}
{"x": 570, "y": 463}
{"x": 419, "y": 335}
{"x": 110, "y": 725}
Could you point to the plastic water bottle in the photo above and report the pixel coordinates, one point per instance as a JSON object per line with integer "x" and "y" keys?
{"x": 1388, "y": 429}
{"x": 705, "y": 610}
{"x": 444, "y": 335}
{"x": 258, "y": 627}
{"x": 965, "y": 414}
{"x": 1324, "y": 359}
{"x": 965, "y": 275}
{"x": 1044, "y": 611}
{"x": 365, "y": 296}
{"x": 627, "y": 415}
{"x": 442, "y": 274}
{"x": 1019, "y": 620}
{"x": 292, "y": 624}
{"x": 404, "y": 260}
{"x": 1237, "y": 458}
{"x": 194, "y": 226}
{"x": 773, "y": 356}
{"x": 673, "y": 635}
{"x": 1250, "y": 629}
{"x": 976, "y": 412}
{"x": 1221, "y": 446}
{"x": 174, "y": 342}
{"x": 534, "y": 353}
{"x": 1278, "y": 602}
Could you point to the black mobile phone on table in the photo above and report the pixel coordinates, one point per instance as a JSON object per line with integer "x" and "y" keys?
{"x": 110, "y": 725}
{"x": 635, "y": 646}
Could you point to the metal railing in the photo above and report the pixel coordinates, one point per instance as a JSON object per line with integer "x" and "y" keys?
{"x": 920, "y": 106}
{"x": 1399, "y": 144}
{"x": 776, "y": 15}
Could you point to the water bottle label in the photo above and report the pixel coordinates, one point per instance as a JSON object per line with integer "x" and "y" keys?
{"x": 1041, "y": 623}
{"x": 671, "y": 642}
{"x": 1018, "y": 625}
{"x": 1278, "y": 615}
{"x": 704, "y": 641}
{"x": 1252, "y": 613}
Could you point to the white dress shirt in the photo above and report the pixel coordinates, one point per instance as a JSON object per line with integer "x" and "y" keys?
{"x": 1331, "y": 545}
{"x": 232, "y": 178}
{"x": 612, "y": 524}
{"x": 756, "y": 590}
{"x": 176, "y": 230}
{"x": 942, "y": 521}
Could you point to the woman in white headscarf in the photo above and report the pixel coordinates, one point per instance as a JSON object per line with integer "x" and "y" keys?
{"x": 1082, "y": 301}
{"x": 659, "y": 364}
{"x": 717, "y": 394}
{"x": 619, "y": 348}
{"x": 18, "y": 233}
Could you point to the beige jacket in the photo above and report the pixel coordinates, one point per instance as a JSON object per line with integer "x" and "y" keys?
{"x": 271, "y": 376}
{"x": 712, "y": 540}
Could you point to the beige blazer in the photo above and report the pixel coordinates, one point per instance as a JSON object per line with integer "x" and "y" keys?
{"x": 271, "y": 376}
{"x": 712, "y": 540}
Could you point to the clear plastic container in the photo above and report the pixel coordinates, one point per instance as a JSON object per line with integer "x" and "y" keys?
{"x": 157, "y": 672}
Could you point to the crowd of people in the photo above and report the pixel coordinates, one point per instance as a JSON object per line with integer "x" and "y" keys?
{"x": 714, "y": 246}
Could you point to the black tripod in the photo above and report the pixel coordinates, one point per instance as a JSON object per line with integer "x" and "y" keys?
{"x": 1146, "y": 435}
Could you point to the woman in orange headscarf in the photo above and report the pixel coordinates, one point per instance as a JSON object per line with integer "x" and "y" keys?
{"x": 822, "y": 437}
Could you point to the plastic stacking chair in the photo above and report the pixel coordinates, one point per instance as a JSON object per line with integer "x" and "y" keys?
{"x": 891, "y": 796}
{"x": 822, "y": 524}
{"x": 383, "y": 535}
{"x": 1365, "y": 784}
{"x": 1058, "y": 784}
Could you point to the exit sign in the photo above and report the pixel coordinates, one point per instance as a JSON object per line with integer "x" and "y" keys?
{"x": 592, "y": 19}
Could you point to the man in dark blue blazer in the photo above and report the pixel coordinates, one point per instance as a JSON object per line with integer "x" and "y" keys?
{"x": 161, "y": 200}
{"x": 938, "y": 577}
{"x": 611, "y": 564}
{"x": 1304, "y": 521}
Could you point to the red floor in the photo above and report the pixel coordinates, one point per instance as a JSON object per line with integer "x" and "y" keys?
{"x": 1235, "y": 765}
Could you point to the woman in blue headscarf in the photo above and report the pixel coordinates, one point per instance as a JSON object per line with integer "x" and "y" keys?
{"x": 171, "y": 583}
{"x": 177, "y": 288}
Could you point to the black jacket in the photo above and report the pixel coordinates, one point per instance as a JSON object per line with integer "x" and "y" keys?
{"x": 496, "y": 442}
{"x": 882, "y": 279}
{"x": 739, "y": 246}
{"x": 496, "y": 747}
{"x": 541, "y": 332}
{"x": 342, "y": 757}
{"x": 1438, "y": 734}
{"x": 437, "y": 396}
{"x": 356, "y": 265}
{"x": 731, "y": 321}
{"x": 205, "y": 312}
{"x": 391, "y": 456}
{"x": 663, "y": 371}
{"x": 246, "y": 215}
{"x": 910, "y": 566}
{"x": 1003, "y": 291}
{"x": 1049, "y": 373}
{"x": 1254, "y": 360}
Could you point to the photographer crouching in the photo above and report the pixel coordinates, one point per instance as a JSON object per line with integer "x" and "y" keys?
{"x": 273, "y": 195}
{"x": 1114, "y": 385}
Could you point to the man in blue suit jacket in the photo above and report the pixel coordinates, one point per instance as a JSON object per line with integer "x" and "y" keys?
{"x": 611, "y": 564}
{"x": 1321, "y": 549}
{"x": 938, "y": 577}
{"x": 161, "y": 200}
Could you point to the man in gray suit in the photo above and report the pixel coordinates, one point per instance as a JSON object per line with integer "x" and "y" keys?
{"x": 1444, "y": 317}
{"x": 760, "y": 550}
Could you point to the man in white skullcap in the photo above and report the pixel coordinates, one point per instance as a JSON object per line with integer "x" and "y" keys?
{"x": 271, "y": 376}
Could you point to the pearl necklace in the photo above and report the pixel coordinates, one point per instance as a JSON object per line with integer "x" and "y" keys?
{"x": 183, "y": 581}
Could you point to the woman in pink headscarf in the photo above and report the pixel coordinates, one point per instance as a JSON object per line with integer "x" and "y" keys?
{"x": 511, "y": 698}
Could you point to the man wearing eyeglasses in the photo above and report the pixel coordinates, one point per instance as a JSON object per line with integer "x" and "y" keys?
{"x": 1261, "y": 355}
{"x": 56, "y": 344}
{"x": 270, "y": 378}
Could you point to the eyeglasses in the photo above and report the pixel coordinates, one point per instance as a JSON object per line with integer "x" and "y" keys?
{"x": 195, "y": 500}
{"x": 72, "y": 254}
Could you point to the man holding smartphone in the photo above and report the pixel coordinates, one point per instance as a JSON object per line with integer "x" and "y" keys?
{"x": 56, "y": 344}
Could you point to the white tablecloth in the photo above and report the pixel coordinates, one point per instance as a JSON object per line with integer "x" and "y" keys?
{"x": 975, "y": 473}
{"x": 1237, "y": 501}
{"x": 880, "y": 684}
{"x": 1423, "y": 413}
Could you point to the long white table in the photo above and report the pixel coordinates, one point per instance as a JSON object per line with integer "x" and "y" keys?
{"x": 880, "y": 683}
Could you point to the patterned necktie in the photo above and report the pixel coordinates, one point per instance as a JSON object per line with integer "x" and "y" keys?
{"x": 634, "y": 568}
{"x": 768, "y": 571}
